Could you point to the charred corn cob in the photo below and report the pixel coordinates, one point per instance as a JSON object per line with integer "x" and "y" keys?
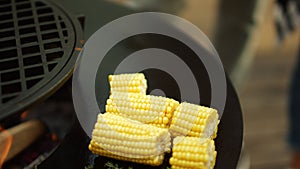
{"x": 125, "y": 139}
{"x": 135, "y": 83}
{"x": 193, "y": 153}
{"x": 154, "y": 110}
{"x": 194, "y": 120}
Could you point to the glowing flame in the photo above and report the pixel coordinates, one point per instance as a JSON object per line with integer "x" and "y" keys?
{"x": 5, "y": 142}
{"x": 54, "y": 137}
{"x": 24, "y": 115}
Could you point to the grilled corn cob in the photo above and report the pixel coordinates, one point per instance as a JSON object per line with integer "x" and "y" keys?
{"x": 135, "y": 83}
{"x": 194, "y": 120}
{"x": 193, "y": 153}
{"x": 154, "y": 110}
{"x": 125, "y": 139}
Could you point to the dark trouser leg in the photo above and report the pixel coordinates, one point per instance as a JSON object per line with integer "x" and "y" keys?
{"x": 294, "y": 109}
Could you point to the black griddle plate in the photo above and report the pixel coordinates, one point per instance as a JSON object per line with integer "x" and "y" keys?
{"x": 73, "y": 151}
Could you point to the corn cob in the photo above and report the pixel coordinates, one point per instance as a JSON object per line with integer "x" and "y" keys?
{"x": 154, "y": 110}
{"x": 194, "y": 120}
{"x": 193, "y": 153}
{"x": 135, "y": 83}
{"x": 125, "y": 139}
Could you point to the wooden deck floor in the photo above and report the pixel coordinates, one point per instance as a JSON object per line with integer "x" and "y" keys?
{"x": 264, "y": 100}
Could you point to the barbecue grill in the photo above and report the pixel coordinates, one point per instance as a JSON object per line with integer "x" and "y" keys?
{"x": 39, "y": 44}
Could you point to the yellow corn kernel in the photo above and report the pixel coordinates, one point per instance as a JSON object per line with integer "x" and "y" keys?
{"x": 134, "y": 82}
{"x": 151, "y": 160}
{"x": 154, "y": 110}
{"x": 125, "y": 139}
{"x": 194, "y": 120}
{"x": 193, "y": 153}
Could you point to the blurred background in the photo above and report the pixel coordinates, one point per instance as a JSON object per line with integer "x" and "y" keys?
{"x": 245, "y": 36}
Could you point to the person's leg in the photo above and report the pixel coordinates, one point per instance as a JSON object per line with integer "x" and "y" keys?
{"x": 294, "y": 116}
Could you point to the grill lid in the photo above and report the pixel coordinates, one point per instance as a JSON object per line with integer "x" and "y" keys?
{"x": 37, "y": 42}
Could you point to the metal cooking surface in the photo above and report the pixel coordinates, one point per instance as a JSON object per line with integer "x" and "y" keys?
{"x": 37, "y": 41}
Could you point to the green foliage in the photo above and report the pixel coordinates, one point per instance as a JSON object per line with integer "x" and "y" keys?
{"x": 89, "y": 167}
{"x": 110, "y": 165}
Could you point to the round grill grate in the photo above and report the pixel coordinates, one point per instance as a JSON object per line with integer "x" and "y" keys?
{"x": 37, "y": 42}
